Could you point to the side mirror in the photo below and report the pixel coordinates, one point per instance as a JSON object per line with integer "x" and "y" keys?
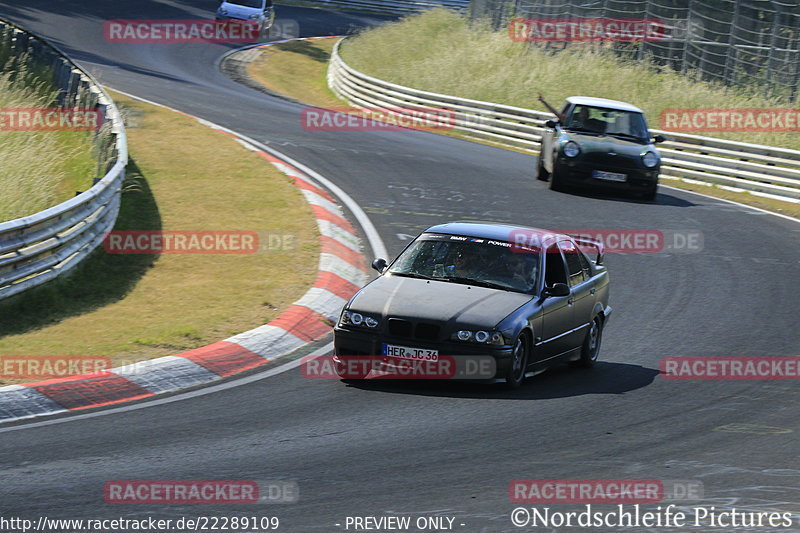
{"x": 601, "y": 256}
{"x": 558, "y": 289}
{"x": 551, "y": 124}
{"x": 379, "y": 265}
{"x": 659, "y": 139}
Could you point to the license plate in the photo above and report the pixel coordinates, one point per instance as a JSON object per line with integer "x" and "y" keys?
{"x": 609, "y": 176}
{"x": 406, "y": 352}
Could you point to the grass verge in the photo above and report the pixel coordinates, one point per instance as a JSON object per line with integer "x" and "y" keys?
{"x": 768, "y": 204}
{"x": 182, "y": 176}
{"x": 443, "y": 52}
{"x": 39, "y": 169}
{"x": 298, "y": 70}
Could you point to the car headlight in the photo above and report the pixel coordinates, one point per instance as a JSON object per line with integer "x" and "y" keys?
{"x": 352, "y": 318}
{"x": 480, "y": 336}
{"x": 255, "y": 16}
{"x": 222, "y": 11}
{"x": 571, "y": 149}
{"x": 650, "y": 159}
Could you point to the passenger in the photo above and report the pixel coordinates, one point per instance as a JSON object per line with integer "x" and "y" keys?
{"x": 520, "y": 271}
{"x": 553, "y": 110}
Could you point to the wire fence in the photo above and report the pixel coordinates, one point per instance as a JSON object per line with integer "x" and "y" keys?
{"x": 753, "y": 43}
{"x": 387, "y": 7}
{"x": 762, "y": 170}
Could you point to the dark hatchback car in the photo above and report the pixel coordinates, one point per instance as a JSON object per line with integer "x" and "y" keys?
{"x": 526, "y": 297}
{"x": 600, "y": 143}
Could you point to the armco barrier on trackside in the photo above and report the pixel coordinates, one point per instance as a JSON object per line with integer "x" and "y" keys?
{"x": 40, "y": 247}
{"x": 762, "y": 170}
{"x": 340, "y": 274}
{"x": 388, "y": 7}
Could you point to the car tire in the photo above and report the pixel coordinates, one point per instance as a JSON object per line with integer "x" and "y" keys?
{"x": 555, "y": 182}
{"x": 515, "y": 374}
{"x": 350, "y": 372}
{"x": 590, "y": 349}
{"x": 541, "y": 173}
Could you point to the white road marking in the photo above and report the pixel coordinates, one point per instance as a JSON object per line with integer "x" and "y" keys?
{"x": 787, "y": 217}
{"x": 178, "y": 397}
{"x": 366, "y": 224}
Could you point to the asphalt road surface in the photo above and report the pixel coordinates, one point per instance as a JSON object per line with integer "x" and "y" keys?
{"x": 450, "y": 449}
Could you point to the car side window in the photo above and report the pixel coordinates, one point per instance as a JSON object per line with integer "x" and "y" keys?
{"x": 574, "y": 266}
{"x": 554, "y": 270}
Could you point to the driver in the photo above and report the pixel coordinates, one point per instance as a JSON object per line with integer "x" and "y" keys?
{"x": 464, "y": 265}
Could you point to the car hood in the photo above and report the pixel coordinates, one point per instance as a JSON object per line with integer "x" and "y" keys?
{"x": 437, "y": 301}
{"x": 607, "y": 143}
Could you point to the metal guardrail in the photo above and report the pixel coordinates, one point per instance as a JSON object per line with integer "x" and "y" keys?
{"x": 393, "y": 7}
{"x": 40, "y": 247}
{"x": 761, "y": 169}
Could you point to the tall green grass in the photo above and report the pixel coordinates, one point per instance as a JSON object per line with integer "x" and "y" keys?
{"x": 443, "y": 52}
{"x": 38, "y": 169}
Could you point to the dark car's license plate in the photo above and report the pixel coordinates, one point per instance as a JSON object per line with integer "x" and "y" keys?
{"x": 609, "y": 176}
{"x": 407, "y": 352}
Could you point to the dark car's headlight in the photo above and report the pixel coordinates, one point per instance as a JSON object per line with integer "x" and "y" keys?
{"x": 571, "y": 149}
{"x": 479, "y": 336}
{"x": 353, "y": 318}
{"x": 650, "y": 159}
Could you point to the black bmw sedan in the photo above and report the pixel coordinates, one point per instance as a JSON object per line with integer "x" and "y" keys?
{"x": 524, "y": 296}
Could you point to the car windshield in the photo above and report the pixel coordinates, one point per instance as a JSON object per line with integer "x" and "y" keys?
{"x": 248, "y": 3}
{"x": 469, "y": 260}
{"x": 605, "y": 121}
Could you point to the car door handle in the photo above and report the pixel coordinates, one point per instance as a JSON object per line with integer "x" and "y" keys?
{"x": 592, "y": 290}
{"x": 571, "y": 301}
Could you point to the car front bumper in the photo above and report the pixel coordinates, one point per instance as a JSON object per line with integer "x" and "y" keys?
{"x": 264, "y": 22}
{"x": 580, "y": 173}
{"x": 351, "y": 342}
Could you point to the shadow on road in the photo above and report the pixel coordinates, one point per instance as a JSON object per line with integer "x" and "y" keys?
{"x": 558, "y": 382}
{"x": 662, "y": 198}
{"x": 100, "y": 280}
